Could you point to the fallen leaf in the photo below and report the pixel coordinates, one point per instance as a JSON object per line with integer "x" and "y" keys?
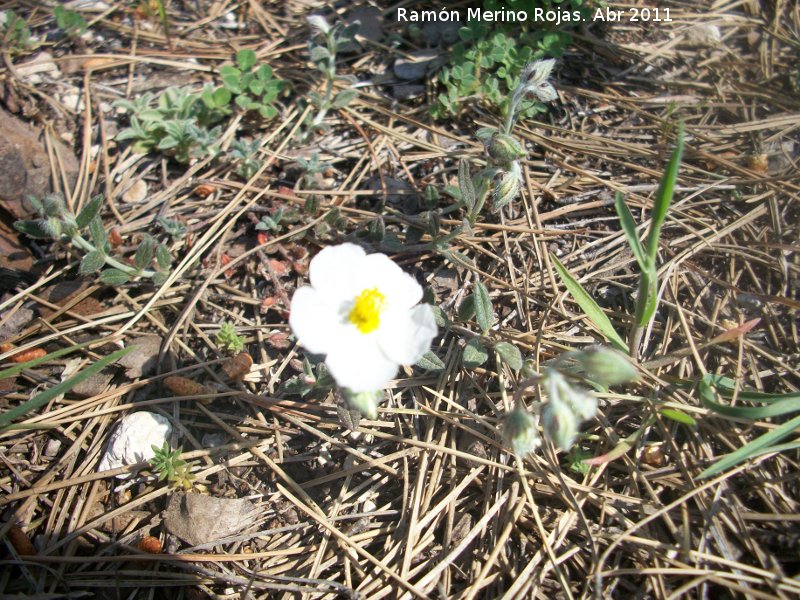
{"x": 198, "y": 519}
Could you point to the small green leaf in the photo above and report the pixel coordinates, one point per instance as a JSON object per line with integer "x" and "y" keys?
{"x": 678, "y": 416}
{"x": 222, "y": 96}
{"x": 144, "y": 253}
{"x": 440, "y": 317}
{"x": 344, "y": 98}
{"x": 163, "y": 259}
{"x": 98, "y": 233}
{"x": 89, "y": 211}
{"x": 160, "y": 278}
{"x": 268, "y": 111}
{"x": 38, "y": 229}
{"x": 589, "y": 306}
{"x": 484, "y": 314}
{"x": 245, "y": 59}
{"x": 466, "y": 310}
{"x": 114, "y": 277}
{"x": 466, "y": 186}
{"x": 629, "y": 227}
{"x": 664, "y": 195}
{"x": 430, "y": 362}
{"x": 475, "y": 354}
{"x": 509, "y": 354}
{"x": 92, "y": 262}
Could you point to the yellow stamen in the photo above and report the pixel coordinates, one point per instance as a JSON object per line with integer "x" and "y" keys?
{"x": 366, "y": 311}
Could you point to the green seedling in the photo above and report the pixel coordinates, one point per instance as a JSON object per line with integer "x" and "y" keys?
{"x": 15, "y": 34}
{"x": 244, "y": 156}
{"x": 70, "y": 22}
{"x": 58, "y": 223}
{"x": 175, "y": 125}
{"x": 168, "y": 465}
{"x": 228, "y": 340}
{"x": 252, "y": 86}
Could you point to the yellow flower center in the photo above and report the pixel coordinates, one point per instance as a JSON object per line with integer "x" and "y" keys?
{"x": 366, "y": 311}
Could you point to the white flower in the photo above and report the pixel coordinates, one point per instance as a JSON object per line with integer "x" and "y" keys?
{"x": 361, "y": 311}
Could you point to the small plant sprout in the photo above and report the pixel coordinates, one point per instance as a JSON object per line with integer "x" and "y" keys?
{"x": 227, "y": 339}
{"x": 69, "y": 21}
{"x": 245, "y": 157}
{"x": 58, "y": 223}
{"x": 15, "y": 35}
{"x": 362, "y": 312}
{"x": 326, "y": 41}
{"x": 168, "y": 465}
{"x": 252, "y": 86}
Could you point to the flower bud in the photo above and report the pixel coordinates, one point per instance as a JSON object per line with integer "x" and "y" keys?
{"x": 319, "y": 23}
{"x": 606, "y": 366}
{"x": 560, "y": 423}
{"x": 508, "y": 187}
{"x": 504, "y": 148}
{"x": 365, "y": 403}
{"x": 519, "y": 431}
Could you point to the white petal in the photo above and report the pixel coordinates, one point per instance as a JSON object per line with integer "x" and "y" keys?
{"x": 400, "y": 288}
{"x": 314, "y": 320}
{"x": 404, "y": 336}
{"x": 335, "y": 271}
{"x": 357, "y": 363}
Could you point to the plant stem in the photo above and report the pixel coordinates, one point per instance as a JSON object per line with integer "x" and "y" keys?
{"x": 85, "y": 244}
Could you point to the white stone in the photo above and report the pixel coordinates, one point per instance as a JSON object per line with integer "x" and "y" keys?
{"x": 133, "y": 439}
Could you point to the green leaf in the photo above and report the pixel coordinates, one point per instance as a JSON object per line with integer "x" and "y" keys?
{"x": 163, "y": 259}
{"x": 440, "y": 317}
{"x": 92, "y": 262}
{"x": 466, "y": 310}
{"x": 231, "y": 77}
{"x": 46, "y": 396}
{"x": 344, "y": 98}
{"x": 98, "y": 233}
{"x": 466, "y": 186}
{"x": 629, "y": 227}
{"x": 475, "y": 354}
{"x": 222, "y": 96}
{"x": 268, "y": 111}
{"x": 430, "y": 362}
{"x": 160, "y": 278}
{"x": 678, "y": 416}
{"x": 245, "y": 59}
{"x": 774, "y": 408}
{"x": 483, "y": 307}
{"x": 664, "y": 196}
{"x": 144, "y": 253}
{"x": 17, "y": 369}
{"x": 509, "y": 354}
{"x": 38, "y": 229}
{"x": 760, "y": 445}
{"x": 114, "y": 277}
{"x": 319, "y": 53}
{"x": 589, "y": 306}
{"x": 89, "y": 211}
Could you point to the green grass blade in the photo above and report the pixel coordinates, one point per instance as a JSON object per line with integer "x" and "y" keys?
{"x": 629, "y": 227}
{"x": 760, "y": 445}
{"x": 44, "y": 397}
{"x": 16, "y": 370}
{"x": 772, "y": 409}
{"x": 664, "y": 196}
{"x": 589, "y": 306}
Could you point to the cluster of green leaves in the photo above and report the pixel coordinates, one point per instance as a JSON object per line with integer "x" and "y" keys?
{"x": 42, "y": 398}
{"x": 315, "y": 380}
{"x": 168, "y": 465}
{"x": 228, "y": 340}
{"x": 69, "y": 21}
{"x": 244, "y": 156}
{"x": 486, "y": 66}
{"x": 278, "y": 219}
{"x": 176, "y": 124}
{"x": 251, "y": 86}
{"x": 15, "y": 33}
{"x": 58, "y": 223}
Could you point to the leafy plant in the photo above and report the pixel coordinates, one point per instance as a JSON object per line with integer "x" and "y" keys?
{"x": 228, "y": 340}
{"x": 168, "y": 465}
{"x": 646, "y": 256}
{"x": 252, "y": 86}
{"x": 311, "y": 168}
{"x": 487, "y": 65}
{"x": 69, "y": 21}
{"x": 177, "y": 125}
{"x": 58, "y": 223}
{"x": 276, "y": 221}
{"x": 326, "y": 41}
{"x": 245, "y": 158}
{"x": 16, "y": 36}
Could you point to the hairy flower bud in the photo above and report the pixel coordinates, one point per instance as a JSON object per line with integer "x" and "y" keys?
{"x": 606, "y": 366}
{"x": 567, "y": 406}
{"x": 508, "y": 186}
{"x": 560, "y": 423}
{"x": 519, "y": 430}
{"x": 504, "y": 148}
{"x": 319, "y": 23}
